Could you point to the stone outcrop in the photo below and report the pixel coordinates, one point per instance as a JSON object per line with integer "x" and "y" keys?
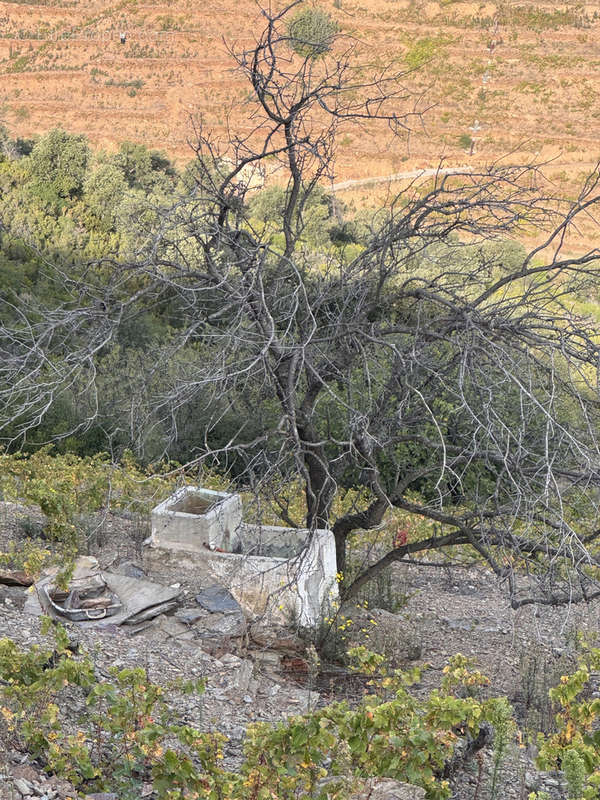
{"x": 374, "y": 789}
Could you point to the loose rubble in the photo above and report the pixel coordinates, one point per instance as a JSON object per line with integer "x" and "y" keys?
{"x": 257, "y": 671}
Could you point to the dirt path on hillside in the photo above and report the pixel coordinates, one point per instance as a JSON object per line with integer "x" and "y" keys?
{"x": 415, "y": 174}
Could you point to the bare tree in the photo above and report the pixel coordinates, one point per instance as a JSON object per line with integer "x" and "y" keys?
{"x": 450, "y": 378}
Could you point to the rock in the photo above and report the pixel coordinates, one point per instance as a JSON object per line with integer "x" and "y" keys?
{"x": 531, "y": 781}
{"x": 130, "y": 569}
{"x": 217, "y": 599}
{"x": 140, "y": 627}
{"x": 189, "y": 616}
{"x": 206, "y": 662}
{"x": 458, "y": 624}
{"x": 237, "y": 733}
{"x": 373, "y": 788}
{"x": 61, "y": 788}
{"x": 275, "y": 637}
{"x": 102, "y": 796}
{"x": 217, "y": 625}
{"x": 268, "y": 688}
{"x": 239, "y": 672}
{"x": 389, "y": 789}
{"x": 172, "y": 627}
{"x": 25, "y": 772}
{"x": 15, "y": 578}
{"x": 14, "y": 596}
{"x": 23, "y": 787}
{"x": 267, "y": 660}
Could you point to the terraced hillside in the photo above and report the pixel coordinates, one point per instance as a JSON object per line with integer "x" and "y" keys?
{"x": 498, "y": 79}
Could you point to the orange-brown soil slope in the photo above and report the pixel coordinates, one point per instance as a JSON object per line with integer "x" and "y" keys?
{"x": 515, "y": 78}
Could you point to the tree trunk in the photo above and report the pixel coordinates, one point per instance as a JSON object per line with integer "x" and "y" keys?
{"x": 344, "y": 526}
{"x": 320, "y": 486}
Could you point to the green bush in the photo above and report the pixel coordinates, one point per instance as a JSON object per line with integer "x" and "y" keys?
{"x": 423, "y": 50}
{"x": 59, "y": 162}
{"x": 576, "y": 744}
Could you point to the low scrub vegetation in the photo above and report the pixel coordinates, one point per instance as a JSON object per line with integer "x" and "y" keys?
{"x": 119, "y": 733}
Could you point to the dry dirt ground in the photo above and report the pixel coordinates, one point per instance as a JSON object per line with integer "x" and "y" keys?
{"x": 250, "y": 678}
{"x": 519, "y": 77}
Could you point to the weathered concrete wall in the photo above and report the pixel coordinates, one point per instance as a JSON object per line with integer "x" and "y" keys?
{"x": 174, "y": 527}
{"x": 272, "y": 541}
{"x": 283, "y": 573}
{"x": 299, "y": 588}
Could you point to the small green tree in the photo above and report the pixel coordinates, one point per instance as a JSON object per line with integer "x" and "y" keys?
{"x": 8, "y": 150}
{"x": 103, "y": 191}
{"x": 59, "y": 163}
{"x": 575, "y": 773}
{"x": 142, "y": 168}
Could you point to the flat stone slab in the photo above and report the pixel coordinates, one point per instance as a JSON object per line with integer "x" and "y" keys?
{"x": 389, "y": 789}
{"x": 218, "y": 600}
{"x": 131, "y": 570}
{"x": 189, "y": 616}
{"x": 221, "y": 625}
{"x": 15, "y": 578}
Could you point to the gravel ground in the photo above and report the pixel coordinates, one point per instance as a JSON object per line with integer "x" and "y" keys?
{"x": 522, "y": 652}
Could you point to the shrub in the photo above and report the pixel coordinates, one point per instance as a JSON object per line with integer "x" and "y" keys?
{"x": 423, "y": 50}
{"x": 59, "y": 162}
{"x": 124, "y": 733}
{"x": 576, "y": 744}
